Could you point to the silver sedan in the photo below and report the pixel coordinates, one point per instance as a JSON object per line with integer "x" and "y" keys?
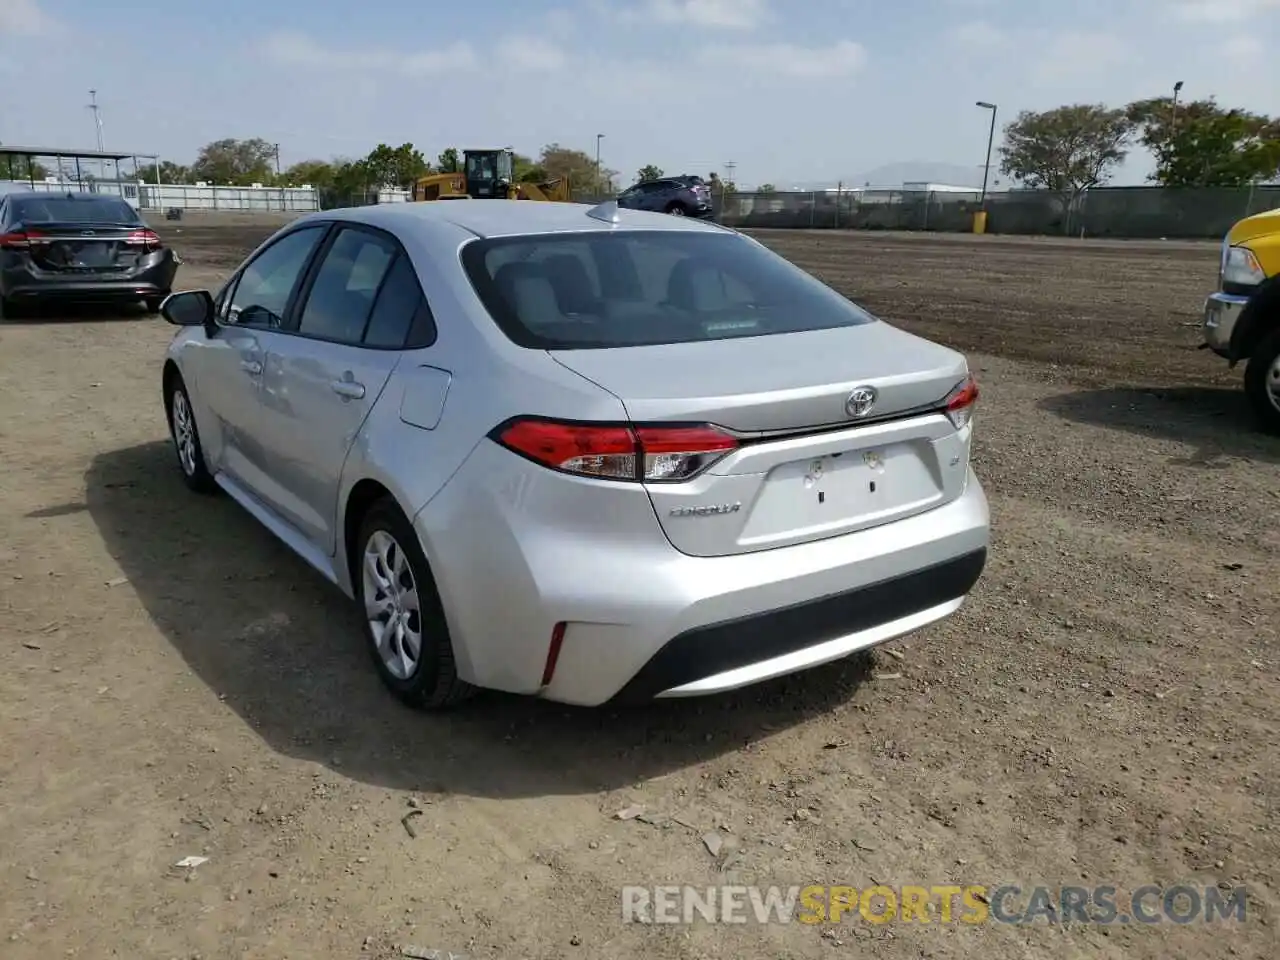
{"x": 586, "y": 454}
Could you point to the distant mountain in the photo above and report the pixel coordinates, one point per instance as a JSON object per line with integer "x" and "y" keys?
{"x": 896, "y": 174}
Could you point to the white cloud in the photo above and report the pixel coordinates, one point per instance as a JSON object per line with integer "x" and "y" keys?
{"x": 980, "y": 34}
{"x": 1079, "y": 54}
{"x": 23, "y": 18}
{"x": 790, "y": 60}
{"x": 296, "y": 49}
{"x": 531, "y": 53}
{"x": 722, "y": 14}
{"x": 456, "y": 56}
{"x": 1223, "y": 11}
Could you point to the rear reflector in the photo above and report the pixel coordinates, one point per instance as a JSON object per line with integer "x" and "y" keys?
{"x": 553, "y": 653}
{"x": 960, "y": 402}
{"x": 640, "y": 454}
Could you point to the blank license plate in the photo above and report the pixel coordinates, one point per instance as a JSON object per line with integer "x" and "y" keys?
{"x": 92, "y": 255}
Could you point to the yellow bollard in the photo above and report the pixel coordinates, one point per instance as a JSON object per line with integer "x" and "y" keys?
{"x": 980, "y": 221}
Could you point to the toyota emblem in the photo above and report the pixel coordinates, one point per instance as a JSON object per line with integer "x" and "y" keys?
{"x": 860, "y": 401}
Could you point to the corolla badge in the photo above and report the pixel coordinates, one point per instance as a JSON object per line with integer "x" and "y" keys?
{"x": 860, "y": 401}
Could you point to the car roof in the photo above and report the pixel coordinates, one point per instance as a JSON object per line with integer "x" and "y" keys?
{"x": 505, "y": 218}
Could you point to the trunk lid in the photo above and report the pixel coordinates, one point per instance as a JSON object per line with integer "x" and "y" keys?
{"x": 806, "y": 469}
{"x": 87, "y": 247}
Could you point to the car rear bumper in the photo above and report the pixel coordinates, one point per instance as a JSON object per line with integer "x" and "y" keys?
{"x": 516, "y": 552}
{"x": 24, "y": 285}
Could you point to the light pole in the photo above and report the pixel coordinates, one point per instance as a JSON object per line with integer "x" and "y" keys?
{"x": 991, "y": 139}
{"x": 1173, "y": 115}
{"x": 599, "y": 137}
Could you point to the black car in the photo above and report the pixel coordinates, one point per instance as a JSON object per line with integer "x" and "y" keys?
{"x": 80, "y": 247}
{"x": 684, "y": 196}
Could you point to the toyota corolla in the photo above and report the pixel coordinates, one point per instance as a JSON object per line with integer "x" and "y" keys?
{"x": 584, "y": 453}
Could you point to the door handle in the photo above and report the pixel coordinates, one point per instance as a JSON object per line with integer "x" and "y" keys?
{"x": 348, "y": 389}
{"x": 251, "y": 366}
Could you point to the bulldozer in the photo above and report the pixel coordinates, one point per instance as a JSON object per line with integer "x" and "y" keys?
{"x": 488, "y": 175}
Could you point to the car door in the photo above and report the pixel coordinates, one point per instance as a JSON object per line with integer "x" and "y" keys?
{"x": 325, "y": 374}
{"x": 228, "y": 368}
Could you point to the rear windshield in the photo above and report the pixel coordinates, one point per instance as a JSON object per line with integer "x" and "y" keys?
{"x": 623, "y": 289}
{"x": 65, "y": 210}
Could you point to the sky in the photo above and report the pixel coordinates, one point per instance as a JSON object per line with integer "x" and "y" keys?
{"x": 789, "y": 91}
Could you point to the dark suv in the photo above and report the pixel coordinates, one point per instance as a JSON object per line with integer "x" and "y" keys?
{"x": 686, "y": 196}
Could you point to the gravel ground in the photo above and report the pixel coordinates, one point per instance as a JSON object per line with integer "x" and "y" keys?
{"x": 1103, "y": 711}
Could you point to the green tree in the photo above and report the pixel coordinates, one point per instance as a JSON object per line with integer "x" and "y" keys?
{"x": 1202, "y": 145}
{"x": 578, "y": 166}
{"x": 22, "y": 168}
{"x": 448, "y": 161}
{"x": 239, "y": 162}
{"x": 317, "y": 173}
{"x": 766, "y": 189}
{"x": 1066, "y": 150}
{"x": 351, "y": 178}
{"x": 170, "y": 172}
{"x": 648, "y": 172}
{"x": 527, "y": 170}
{"x": 395, "y": 166}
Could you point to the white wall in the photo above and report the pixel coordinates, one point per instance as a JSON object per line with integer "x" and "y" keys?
{"x": 188, "y": 196}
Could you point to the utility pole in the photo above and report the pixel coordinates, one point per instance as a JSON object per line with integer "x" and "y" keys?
{"x": 277, "y": 146}
{"x": 991, "y": 139}
{"x": 97, "y": 124}
{"x": 97, "y": 116}
{"x": 729, "y": 167}
{"x": 1173, "y": 115}
{"x": 599, "y": 179}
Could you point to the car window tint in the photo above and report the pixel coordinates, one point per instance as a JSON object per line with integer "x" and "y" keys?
{"x": 630, "y": 288}
{"x": 65, "y": 209}
{"x": 346, "y": 285}
{"x": 398, "y": 306}
{"x": 267, "y": 283}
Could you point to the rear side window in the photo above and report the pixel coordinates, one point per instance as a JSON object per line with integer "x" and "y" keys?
{"x": 56, "y": 209}
{"x": 632, "y": 288}
{"x": 346, "y": 285}
{"x": 400, "y": 316}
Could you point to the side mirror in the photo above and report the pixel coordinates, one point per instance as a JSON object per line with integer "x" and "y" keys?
{"x": 191, "y": 308}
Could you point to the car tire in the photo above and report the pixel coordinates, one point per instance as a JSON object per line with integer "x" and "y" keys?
{"x": 677, "y": 210}
{"x": 399, "y": 600}
{"x": 1262, "y": 382}
{"x": 152, "y": 304}
{"x": 8, "y": 311}
{"x": 186, "y": 438}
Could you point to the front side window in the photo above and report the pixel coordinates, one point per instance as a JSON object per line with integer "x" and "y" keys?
{"x": 266, "y": 284}
{"x": 632, "y": 288}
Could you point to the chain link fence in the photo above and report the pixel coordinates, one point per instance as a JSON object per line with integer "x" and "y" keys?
{"x": 1116, "y": 212}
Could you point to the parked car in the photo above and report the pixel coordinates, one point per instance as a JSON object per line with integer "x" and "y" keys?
{"x": 79, "y": 247}
{"x": 684, "y": 196}
{"x": 1242, "y": 317}
{"x": 582, "y": 453}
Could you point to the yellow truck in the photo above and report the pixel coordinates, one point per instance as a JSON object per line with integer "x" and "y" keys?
{"x": 1242, "y": 319}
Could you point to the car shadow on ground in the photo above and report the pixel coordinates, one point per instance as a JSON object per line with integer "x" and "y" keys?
{"x": 1216, "y": 421}
{"x": 40, "y": 313}
{"x": 284, "y": 650}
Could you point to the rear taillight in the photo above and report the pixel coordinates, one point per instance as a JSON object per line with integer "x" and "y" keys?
{"x": 19, "y": 240}
{"x": 640, "y": 454}
{"x": 960, "y": 402}
{"x": 148, "y": 240}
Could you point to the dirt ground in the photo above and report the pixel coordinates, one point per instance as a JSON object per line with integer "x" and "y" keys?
{"x": 1104, "y": 709}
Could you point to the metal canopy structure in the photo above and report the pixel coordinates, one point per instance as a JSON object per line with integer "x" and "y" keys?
{"x": 8, "y": 152}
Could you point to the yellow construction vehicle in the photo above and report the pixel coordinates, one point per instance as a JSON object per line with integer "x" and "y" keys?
{"x": 488, "y": 175}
